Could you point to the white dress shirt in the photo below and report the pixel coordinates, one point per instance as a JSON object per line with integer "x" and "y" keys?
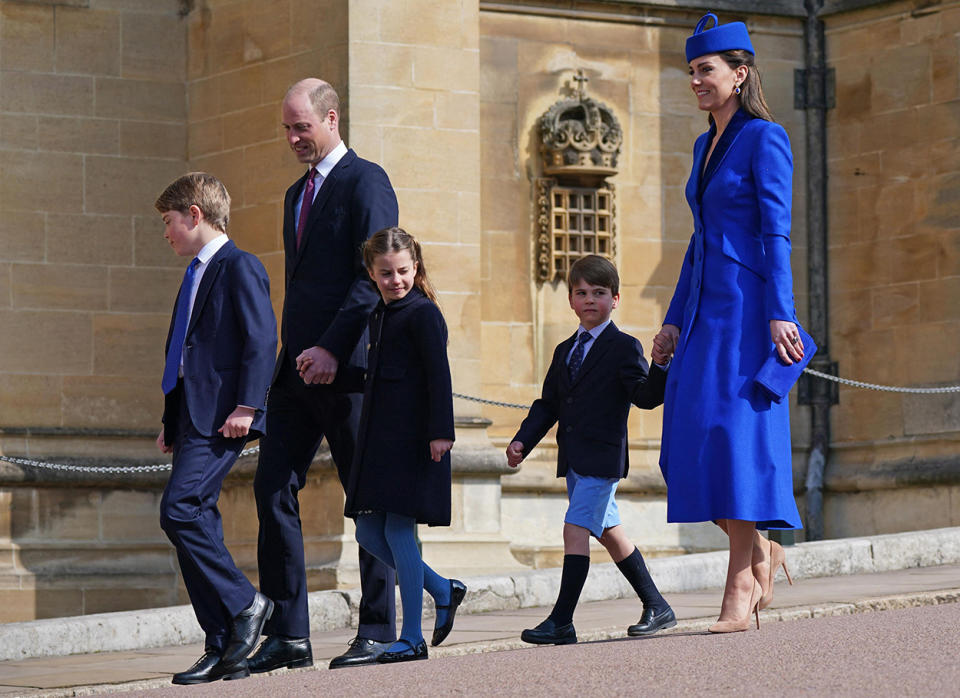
{"x": 324, "y": 167}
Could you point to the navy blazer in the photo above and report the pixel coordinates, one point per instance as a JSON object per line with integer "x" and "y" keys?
{"x": 229, "y": 348}
{"x": 328, "y": 292}
{"x": 593, "y": 410}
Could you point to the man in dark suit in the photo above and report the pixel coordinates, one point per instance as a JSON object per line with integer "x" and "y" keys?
{"x": 219, "y": 358}
{"x": 328, "y": 214}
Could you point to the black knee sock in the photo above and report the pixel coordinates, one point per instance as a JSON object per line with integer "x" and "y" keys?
{"x": 634, "y": 569}
{"x": 575, "y": 568}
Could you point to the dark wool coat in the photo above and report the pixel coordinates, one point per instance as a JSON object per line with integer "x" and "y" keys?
{"x": 407, "y": 403}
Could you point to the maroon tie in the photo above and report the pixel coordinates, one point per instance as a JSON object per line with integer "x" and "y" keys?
{"x": 305, "y": 206}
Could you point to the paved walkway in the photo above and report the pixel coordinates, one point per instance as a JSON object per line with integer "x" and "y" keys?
{"x": 495, "y": 631}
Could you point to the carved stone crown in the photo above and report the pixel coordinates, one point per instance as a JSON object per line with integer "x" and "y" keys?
{"x": 581, "y": 138}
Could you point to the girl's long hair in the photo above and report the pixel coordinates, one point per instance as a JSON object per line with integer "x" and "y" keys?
{"x": 394, "y": 239}
{"x": 751, "y": 91}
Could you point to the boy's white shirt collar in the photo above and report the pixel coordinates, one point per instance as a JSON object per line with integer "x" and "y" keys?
{"x": 595, "y": 332}
{"x": 211, "y": 248}
{"x": 328, "y": 163}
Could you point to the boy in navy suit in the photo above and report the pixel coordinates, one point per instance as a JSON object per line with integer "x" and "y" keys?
{"x": 594, "y": 377}
{"x": 219, "y": 359}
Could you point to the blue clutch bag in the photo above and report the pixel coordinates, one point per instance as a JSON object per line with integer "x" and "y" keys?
{"x": 776, "y": 378}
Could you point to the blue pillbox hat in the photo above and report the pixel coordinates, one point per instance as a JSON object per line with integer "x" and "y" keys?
{"x": 727, "y": 37}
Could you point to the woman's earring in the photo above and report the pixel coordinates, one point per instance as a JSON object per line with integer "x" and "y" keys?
{"x": 736, "y": 89}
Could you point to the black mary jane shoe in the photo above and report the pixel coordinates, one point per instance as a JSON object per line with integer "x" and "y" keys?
{"x": 210, "y": 668}
{"x": 652, "y": 620}
{"x": 408, "y": 655}
{"x": 457, "y": 591}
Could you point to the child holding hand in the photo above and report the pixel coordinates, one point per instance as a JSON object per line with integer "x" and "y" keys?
{"x": 401, "y": 471}
{"x": 595, "y": 375}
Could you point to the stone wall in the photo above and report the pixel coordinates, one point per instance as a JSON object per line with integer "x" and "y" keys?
{"x": 894, "y": 241}
{"x": 93, "y": 111}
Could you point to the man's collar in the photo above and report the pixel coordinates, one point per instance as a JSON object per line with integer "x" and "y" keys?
{"x": 325, "y": 166}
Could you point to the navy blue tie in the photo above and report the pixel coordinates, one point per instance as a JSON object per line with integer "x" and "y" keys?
{"x": 171, "y": 370}
{"x": 576, "y": 359}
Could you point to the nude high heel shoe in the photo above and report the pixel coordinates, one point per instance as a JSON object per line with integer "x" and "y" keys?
{"x": 736, "y": 626}
{"x": 777, "y": 559}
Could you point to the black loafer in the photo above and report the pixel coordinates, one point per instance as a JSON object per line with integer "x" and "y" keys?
{"x": 413, "y": 653}
{"x": 549, "y": 633}
{"x": 247, "y": 626}
{"x": 281, "y": 653}
{"x": 457, "y": 591}
{"x": 362, "y": 651}
{"x": 209, "y": 668}
{"x": 652, "y": 620}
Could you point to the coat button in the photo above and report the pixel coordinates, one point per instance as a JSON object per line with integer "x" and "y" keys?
{"x": 569, "y": 429}
{"x": 569, "y": 400}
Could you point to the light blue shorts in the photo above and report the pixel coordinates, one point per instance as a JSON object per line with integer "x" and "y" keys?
{"x": 591, "y": 502}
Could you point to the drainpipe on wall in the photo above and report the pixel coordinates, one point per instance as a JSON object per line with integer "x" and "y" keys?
{"x": 814, "y": 94}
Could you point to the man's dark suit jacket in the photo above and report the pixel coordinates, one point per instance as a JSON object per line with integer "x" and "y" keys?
{"x": 328, "y": 292}
{"x": 229, "y": 349}
{"x": 592, "y": 411}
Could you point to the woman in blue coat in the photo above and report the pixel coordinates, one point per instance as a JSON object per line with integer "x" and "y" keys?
{"x": 726, "y": 453}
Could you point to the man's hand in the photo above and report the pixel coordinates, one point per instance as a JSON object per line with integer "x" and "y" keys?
{"x": 514, "y": 454}
{"x": 317, "y": 365}
{"x": 161, "y": 444}
{"x": 438, "y": 447}
{"x": 238, "y": 423}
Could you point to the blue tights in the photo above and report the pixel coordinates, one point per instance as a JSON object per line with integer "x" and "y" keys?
{"x": 391, "y": 538}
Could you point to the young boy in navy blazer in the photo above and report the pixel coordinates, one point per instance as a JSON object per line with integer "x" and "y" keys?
{"x": 593, "y": 379}
{"x": 219, "y": 359}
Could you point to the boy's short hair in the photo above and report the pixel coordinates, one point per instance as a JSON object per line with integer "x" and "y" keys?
{"x": 596, "y": 271}
{"x": 199, "y": 189}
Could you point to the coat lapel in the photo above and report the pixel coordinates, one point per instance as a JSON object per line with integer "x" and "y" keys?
{"x": 730, "y": 133}
{"x": 600, "y": 346}
{"x": 327, "y": 189}
{"x": 289, "y": 219}
{"x": 206, "y": 283}
{"x": 565, "y": 348}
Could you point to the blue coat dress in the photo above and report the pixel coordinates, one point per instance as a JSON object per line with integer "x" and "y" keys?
{"x": 726, "y": 446}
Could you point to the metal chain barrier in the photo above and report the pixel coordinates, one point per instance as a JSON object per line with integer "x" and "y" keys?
{"x": 884, "y": 388}
{"x": 158, "y": 467}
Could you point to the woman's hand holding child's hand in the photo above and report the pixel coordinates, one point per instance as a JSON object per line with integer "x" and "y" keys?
{"x": 438, "y": 447}
{"x": 664, "y": 344}
{"x": 514, "y": 454}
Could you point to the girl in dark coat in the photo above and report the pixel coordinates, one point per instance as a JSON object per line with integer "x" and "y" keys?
{"x": 401, "y": 470}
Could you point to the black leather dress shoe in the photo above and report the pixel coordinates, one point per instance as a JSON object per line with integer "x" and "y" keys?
{"x": 652, "y": 620}
{"x": 457, "y": 591}
{"x": 247, "y": 626}
{"x": 549, "y": 633}
{"x": 361, "y": 652}
{"x": 411, "y": 654}
{"x": 281, "y": 653}
{"x": 209, "y": 668}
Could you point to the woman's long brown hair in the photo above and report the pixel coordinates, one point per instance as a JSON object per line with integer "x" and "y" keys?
{"x": 751, "y": 91}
